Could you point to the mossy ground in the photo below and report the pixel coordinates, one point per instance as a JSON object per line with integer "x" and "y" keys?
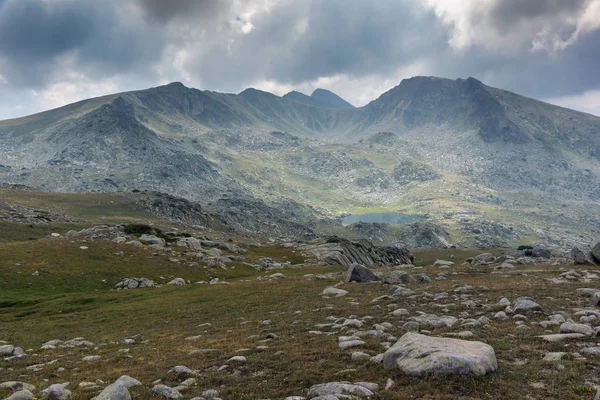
{"x": 70, "y": 299}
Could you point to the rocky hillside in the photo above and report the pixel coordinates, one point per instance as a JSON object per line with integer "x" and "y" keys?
{"x": 484, "y": 166}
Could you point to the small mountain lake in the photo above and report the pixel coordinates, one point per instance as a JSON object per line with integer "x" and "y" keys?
{"x": 391, "y": 218}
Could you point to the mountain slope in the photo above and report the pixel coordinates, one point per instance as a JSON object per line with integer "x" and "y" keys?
{"x": 471, "y": 157}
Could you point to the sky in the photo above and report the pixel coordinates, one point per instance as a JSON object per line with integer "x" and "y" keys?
{"x": 55, "y": 52}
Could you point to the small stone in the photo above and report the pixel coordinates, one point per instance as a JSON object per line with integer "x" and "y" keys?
{"x": 165, "y": 391}
{"x": 360, "y": 356}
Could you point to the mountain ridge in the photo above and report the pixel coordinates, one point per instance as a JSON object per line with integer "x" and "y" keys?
{"x": 457, "y": 150}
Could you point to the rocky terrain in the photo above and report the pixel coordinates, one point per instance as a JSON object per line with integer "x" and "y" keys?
{"x": 121, "y": 311}
{"x": 485, "y": 166}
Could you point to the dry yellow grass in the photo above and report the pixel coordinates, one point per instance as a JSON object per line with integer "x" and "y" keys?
{"x": 69, "y": 300}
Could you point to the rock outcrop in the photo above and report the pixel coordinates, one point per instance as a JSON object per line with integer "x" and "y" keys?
{"x": 336, "y": 250}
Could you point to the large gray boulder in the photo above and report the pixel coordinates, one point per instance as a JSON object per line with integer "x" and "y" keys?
{"x": 6, "y": 350}
{"x": 396, "y": 277}
{"x": 570, "y": 327}
{"x": 177, "y": 282}
{"x": 114, "y": 392}
{"x": 581, "y": 257}
{"x": 191, "y": 243}
{"x": 152, "y": 239}
{"x": 360, "y": 273}
{"x": 526, "y": 304}
{"x": 21, "y": 395}
{"x": 595, "y": 299}
{"x": 119, "y": 389}
{"x": 485, "y": 258}
{"x": 166, "y": 391}
{"x": 595, "y": 253}
{"x": 58, "y": 391}
{"x": 416, "y": 355}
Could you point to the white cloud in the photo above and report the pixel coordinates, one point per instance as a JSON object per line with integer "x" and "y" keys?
{"x": 551, "y": 40}
{"x": 507, "y": 27}
{"x": 357, "y": 90}
{"x": 588, "y": 101}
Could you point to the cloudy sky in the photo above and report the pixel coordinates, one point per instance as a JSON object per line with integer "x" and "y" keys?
{"x": 54, "y": 52}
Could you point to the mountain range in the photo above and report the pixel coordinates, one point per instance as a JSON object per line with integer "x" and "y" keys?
{"x": 474, "y": 165}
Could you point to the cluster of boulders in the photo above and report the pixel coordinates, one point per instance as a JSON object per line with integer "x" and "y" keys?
{"x": 10, "y": 352}
{"x": 339, "y": 251}
{"x": 576, "y": 275}
{"x": 269, "y": 263}
{"x": 360, "y": 273}
{"x": 586, "y": 255}
{"x": 134, "y": 283}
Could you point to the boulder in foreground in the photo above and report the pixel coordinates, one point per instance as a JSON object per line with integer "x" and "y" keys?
{"x": 360, "y": 273}
{"x": 416, "y": 354}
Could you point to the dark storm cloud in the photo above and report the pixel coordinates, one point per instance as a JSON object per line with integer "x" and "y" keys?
{"x": 227, "y": 45}
{"x": 31, "y": 29}
{"x": 506, "y": 13}
{"x": 164, "y": 10}
{"x": 33, "y": 33}
{"x": 302, "y": 41}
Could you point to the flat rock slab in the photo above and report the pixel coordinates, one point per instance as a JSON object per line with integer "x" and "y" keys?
{"x": 332, "y": 291}
{"x": 350, "y": 344}
{"x": 569, "y": 327}
{"x": 417, "y": 354}
{"x": 559, "y": 337}
{"x": 338, "y": 388}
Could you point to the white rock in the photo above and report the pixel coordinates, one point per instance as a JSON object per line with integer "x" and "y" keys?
{"x": 417, "y": 354}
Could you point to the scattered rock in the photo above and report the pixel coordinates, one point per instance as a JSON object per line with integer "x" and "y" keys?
{"x": 338, "y": 388}
{"x": 177, "y": 282}
{"x": 165, "y": 391}
{"x": 134, "y": 283}
{"x": 569, "y": 327}
{"x": 332, "y": 291}
{"x": 23, "y": 394}
{"x": 526, "y": 304}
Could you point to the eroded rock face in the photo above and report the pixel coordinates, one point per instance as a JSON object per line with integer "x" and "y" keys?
{"x": 335, "y": 250}
{"x": 417, "y": 354}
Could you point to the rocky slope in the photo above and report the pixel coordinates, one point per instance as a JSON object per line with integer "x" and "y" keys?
{"x": 485, "y": 166}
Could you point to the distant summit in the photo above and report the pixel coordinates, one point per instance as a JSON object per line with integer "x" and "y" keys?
{"x": 329, "y": 98}
{"x": 302, "y": 98}
{"x": 319, "y": 98}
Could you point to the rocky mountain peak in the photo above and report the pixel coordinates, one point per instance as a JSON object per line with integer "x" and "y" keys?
{"x": 330, "y": 99}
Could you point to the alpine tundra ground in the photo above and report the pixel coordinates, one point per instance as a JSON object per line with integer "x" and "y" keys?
{"x": 71, "y": 297}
